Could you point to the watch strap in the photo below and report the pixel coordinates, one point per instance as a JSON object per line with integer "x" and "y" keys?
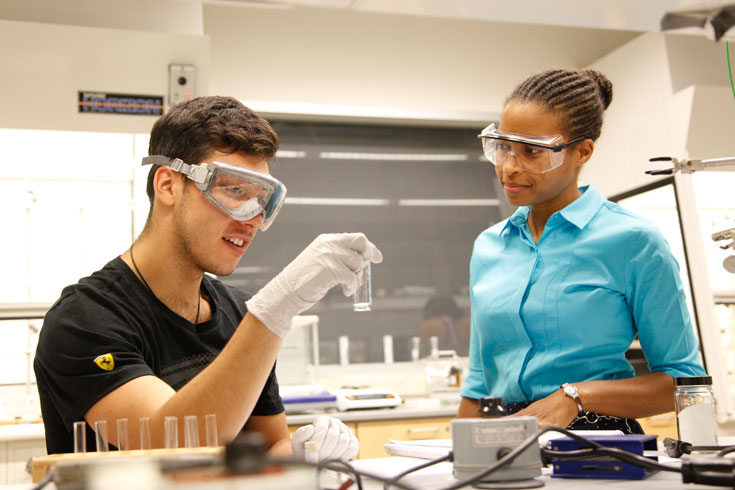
{"x": 574, "y": 395}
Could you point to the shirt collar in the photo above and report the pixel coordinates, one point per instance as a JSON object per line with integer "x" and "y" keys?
{"x": 579, "y": 212}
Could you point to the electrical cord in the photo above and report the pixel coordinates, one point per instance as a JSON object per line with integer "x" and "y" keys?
{"x": 393, "y": 480}
{"x": 338, "y": 466}
{"x": 619, "y": 454}
{"x": 725, "y": 450}
{"x": 350, "y": 469}
{"x": 708, "y": 471}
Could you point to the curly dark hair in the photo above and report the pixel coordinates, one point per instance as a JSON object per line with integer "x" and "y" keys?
{"x": 194, "y": 129}
{"x": 581, "y": 96}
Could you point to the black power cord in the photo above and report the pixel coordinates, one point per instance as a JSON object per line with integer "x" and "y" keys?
{"x": 393, "y": 480}
{"x": 676, "y": 448}
{"x": 338, "y": 466}
{"x": 708, "y": 471}
{"x": 613, "y": 452}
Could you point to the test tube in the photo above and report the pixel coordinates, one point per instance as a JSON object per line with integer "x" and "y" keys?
{"x": 191, "y": 431}
{"x": 210, "y": 422}
{"x": 80, "y": 437}
{"x": 171, "y": 432}
{"x": 100, "y": 431}
{"x": 145, "y": 432}
{"x": 362, "y": 299}
{"x": 344, "y": 350}
{"x": 415, "y": 348}
{"x": 388, "y": 349}
{"x": 122, "y": 435}
{"x": 434, "y": 342}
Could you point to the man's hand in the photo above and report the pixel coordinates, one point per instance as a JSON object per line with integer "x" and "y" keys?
{"x": 334, "y": 439}
{"x": 329, "y": 260}
{"x": 556, "y": 409}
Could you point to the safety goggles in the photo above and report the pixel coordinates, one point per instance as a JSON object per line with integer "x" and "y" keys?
{"x": 242, "y": 194}
{"x": 536, "y": 154}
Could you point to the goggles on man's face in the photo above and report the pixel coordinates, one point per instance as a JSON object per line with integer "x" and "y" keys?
{"x": 536, "y": 154}
{"x": 242, "y": 194}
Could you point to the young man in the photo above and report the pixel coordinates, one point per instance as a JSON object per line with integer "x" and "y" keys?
{"x": 150, "y": 335}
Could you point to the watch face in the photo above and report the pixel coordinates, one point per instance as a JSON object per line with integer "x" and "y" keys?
{"x": 570, "y": 390}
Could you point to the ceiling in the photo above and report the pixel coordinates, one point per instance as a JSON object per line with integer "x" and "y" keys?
{"x": 185, "y": 16}
{"x": 627, "y": 15}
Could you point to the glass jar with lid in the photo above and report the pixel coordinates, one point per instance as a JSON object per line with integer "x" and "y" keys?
{"x": 695, "y": 410}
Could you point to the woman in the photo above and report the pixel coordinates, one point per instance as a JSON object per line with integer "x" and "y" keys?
{"x": 561, "y": 288}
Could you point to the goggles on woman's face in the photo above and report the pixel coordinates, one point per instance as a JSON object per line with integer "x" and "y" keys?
{"x": 240, "y": 193}
{"x": 536, "y": 154}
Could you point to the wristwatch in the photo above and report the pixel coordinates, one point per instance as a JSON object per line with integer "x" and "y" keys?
{"x": 571, "y": 391}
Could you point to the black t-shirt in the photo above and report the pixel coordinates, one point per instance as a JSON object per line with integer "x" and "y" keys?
{"x": 111, "y": 313}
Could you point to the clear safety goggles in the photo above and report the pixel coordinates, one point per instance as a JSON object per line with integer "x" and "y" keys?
{"x": 242, "y": 194}
{"x": 536, "y": 154}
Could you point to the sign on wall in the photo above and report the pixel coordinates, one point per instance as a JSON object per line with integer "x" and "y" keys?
{"x": 108, "y": 103}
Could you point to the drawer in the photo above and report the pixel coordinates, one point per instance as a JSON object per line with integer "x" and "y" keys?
{"x": 374, "y": 434}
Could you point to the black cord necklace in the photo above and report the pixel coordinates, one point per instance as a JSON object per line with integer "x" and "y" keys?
{"x": 132, "y": 259}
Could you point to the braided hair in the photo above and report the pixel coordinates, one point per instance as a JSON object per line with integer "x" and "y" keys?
{"x": 580, "y": 96}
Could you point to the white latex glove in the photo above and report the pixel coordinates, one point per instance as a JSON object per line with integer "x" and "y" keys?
{"x": 329, "y": 260}
{"x": 334, "y": 439}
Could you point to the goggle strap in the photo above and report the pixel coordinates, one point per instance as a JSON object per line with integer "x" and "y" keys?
{"x": 197, "y": 173}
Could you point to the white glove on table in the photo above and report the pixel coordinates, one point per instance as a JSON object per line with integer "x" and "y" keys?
{"x": 334, "y": 439}
{"x": 329, "y": 260}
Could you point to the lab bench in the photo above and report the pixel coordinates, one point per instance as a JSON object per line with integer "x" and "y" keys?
{"x": 374, "y": 428}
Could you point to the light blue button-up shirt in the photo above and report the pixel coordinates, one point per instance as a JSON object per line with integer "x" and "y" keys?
{"x": 567, "y": 309}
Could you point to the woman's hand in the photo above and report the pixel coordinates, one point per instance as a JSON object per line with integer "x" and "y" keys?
{"x": 556, "y": 409}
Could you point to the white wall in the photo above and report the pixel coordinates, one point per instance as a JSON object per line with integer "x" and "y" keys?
{"x": 405, "y": 64}
{"x": 45, "y": 65}
{"x": 297, "y": 58}
{"x": 671, "y": 98}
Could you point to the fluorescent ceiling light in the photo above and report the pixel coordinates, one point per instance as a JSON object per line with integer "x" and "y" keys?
{"x": 273, "y": 4}
{"x": 406, "y": 157}
{"x": 448, "y": 202}
{"x": 338, "y": 201}
{"x": 290, "y": 154}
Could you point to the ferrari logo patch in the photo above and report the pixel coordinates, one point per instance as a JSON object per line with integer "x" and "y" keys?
{"x": 106, "y": 362}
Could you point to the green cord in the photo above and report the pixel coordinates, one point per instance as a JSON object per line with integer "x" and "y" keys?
{"x": 729, "y": 68}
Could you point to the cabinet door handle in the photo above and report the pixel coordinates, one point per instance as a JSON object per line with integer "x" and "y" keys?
{"x": 423, "y": 430}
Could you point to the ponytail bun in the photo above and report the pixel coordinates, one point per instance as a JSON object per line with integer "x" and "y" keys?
{"x": 604, "y": 86}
